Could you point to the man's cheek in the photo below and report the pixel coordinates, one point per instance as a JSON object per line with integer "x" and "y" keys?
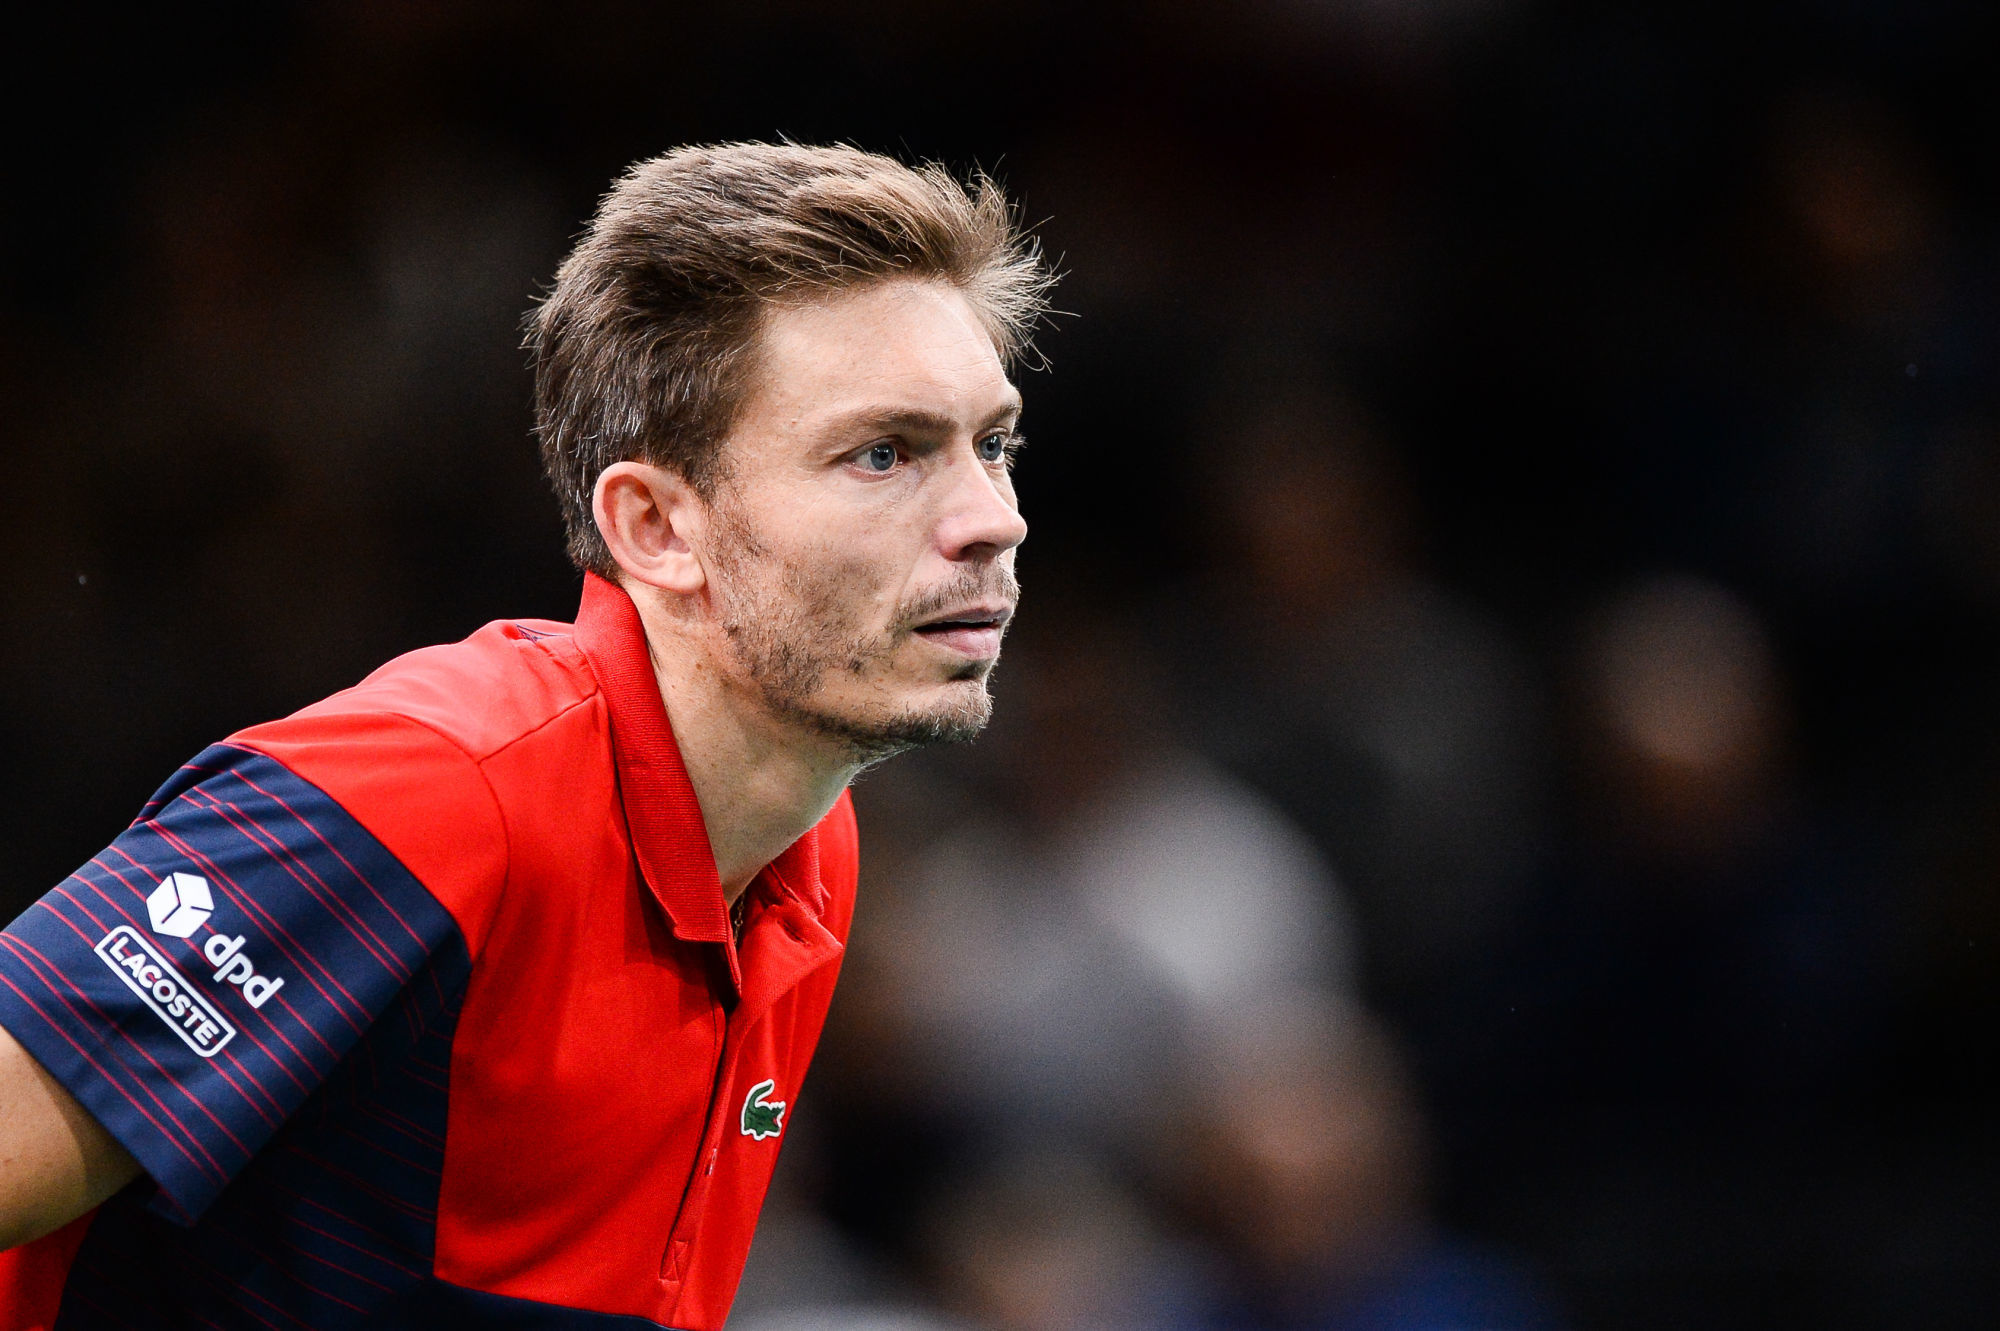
{"x": 850, "y": 588}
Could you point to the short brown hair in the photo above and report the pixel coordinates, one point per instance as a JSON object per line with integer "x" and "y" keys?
{"x": 643, "y": 348}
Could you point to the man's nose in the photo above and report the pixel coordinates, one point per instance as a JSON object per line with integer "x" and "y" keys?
{"x": 981, "y": 517}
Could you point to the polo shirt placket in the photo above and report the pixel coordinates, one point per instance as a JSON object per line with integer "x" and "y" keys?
{"x": 783, "y": 942}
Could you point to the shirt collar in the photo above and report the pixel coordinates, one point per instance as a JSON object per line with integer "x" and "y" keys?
{"x": 668, "y": 835}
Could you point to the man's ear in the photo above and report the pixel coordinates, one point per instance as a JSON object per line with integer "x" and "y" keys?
{"x": 652, "y": 522}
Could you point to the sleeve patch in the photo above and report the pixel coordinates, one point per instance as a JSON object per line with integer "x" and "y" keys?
{"x": 197, "y": 980}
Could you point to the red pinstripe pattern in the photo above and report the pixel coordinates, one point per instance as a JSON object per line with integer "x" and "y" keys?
{"x": 332, "y": 1237}
{"x": 377, "y": 1235}
{"x": 355, "y": 1013}
{"x": 251, "y": 1036}
{"x": 303, "y": 875}
{"x": 39, "y": 963}
{"x": 290, "y": 1273}
{"x": 273, "y": 1118}
{"x": 101, "y": 1070}
{"x": 324, "y": 840}
{"x": 363, "y": 1185}
{"x": 335, "y": 851}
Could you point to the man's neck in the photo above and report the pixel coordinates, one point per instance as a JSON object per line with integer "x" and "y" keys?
{"x": 761, "y": 784}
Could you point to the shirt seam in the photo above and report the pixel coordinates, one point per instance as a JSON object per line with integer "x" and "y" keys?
{"x": 506, "y": 832}
{"x": 529, "y": 733}
{"x": 499, "y": 810}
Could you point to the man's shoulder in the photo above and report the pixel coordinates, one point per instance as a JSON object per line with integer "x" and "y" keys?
{"x": 411, "y": 753}
{"x": 506, "y": 681}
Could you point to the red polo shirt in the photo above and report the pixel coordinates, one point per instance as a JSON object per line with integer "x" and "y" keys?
{"x": 421, "y": 1008}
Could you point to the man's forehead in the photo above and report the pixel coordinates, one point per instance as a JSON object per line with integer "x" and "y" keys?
{"x": 905, "y": 349}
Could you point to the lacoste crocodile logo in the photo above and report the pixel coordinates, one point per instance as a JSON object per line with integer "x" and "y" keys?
{"x": 763, "y": 1118}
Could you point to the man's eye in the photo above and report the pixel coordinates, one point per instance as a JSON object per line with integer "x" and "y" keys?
{"x": 993, "y": 447}
{"x": 882, "y": 457}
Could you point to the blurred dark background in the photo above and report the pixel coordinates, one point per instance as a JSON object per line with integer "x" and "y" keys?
{"x": 1492, "y": 821}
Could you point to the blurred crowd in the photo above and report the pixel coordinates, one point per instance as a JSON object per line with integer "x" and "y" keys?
{"x": 1490, "y": 821}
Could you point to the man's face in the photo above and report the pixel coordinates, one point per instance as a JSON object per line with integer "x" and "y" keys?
{"x": 861, "y": 555}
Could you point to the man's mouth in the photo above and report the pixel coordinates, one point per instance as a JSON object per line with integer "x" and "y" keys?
{"x": 972, "y": 632}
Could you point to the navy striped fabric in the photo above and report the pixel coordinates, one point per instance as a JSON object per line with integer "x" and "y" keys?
{"x": 333, "y": 1225}
{"x": 309, "y": 1142}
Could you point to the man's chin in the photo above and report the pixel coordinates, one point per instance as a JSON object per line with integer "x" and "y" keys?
{"x": 871, "y": 737}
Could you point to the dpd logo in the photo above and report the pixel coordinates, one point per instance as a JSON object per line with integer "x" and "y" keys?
{"x": 180, "y": 905}
{"x": 232, "y": 967}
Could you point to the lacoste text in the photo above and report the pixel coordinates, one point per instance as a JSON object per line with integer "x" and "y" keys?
{"x": 165, "y": 990}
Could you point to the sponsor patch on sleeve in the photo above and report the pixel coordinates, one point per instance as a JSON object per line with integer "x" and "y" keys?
{"x": 164, "y": 990}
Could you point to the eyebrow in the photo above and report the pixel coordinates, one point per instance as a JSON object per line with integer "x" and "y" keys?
{"x": 915, "y": 419}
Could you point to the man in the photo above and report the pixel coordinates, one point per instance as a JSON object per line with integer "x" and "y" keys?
{"x": 481, "y": 992}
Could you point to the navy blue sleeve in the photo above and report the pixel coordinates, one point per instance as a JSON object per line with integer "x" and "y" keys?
{"x": 199, "y": 978}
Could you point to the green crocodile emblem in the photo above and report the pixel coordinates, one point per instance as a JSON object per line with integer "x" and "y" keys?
{"x": 763, "y": 1118}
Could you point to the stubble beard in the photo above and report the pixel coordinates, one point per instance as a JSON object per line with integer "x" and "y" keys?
{"x": 790, "y": 629}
